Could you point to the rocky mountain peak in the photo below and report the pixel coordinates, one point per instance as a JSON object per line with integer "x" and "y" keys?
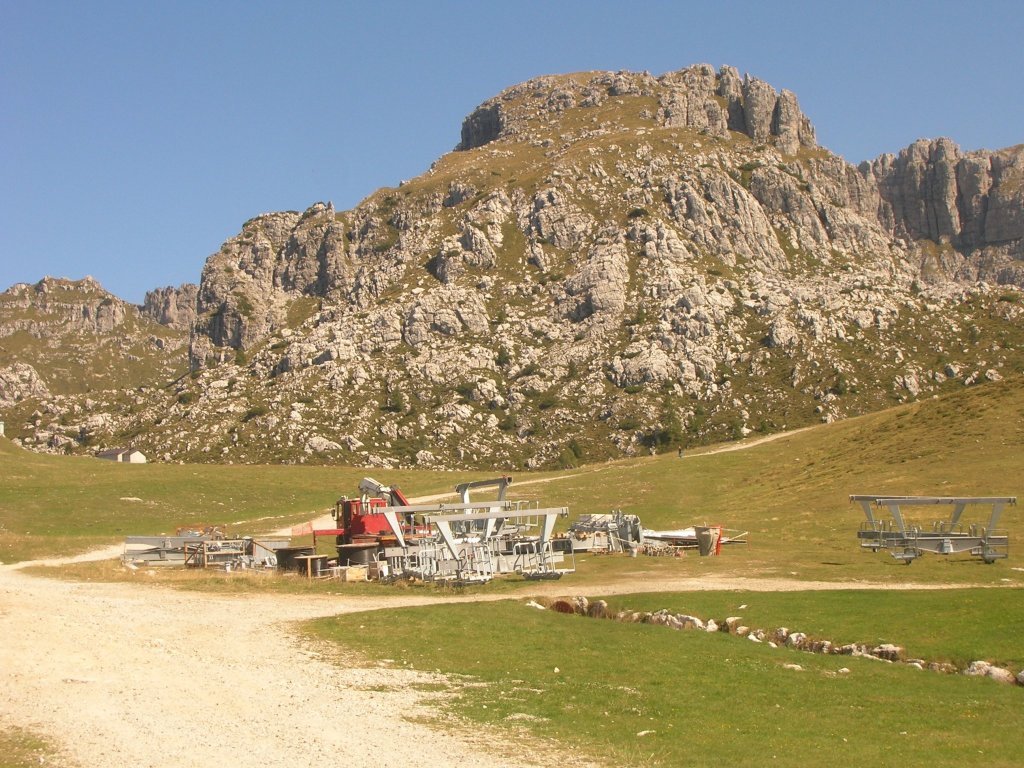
{"x": 697, "y": 98}
{"x": 82, "y": 305}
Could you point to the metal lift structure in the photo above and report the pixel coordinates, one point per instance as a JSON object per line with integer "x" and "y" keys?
{"x": 463, "y": 542}
{"x": 906, "y": 541}
{"x": 473, "y": 541}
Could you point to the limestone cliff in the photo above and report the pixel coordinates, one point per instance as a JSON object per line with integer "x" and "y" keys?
{"x": 973, "y": 202}
{"x": 173, "y": 307}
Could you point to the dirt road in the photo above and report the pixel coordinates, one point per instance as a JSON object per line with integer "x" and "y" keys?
{"x": 124, "y": 675}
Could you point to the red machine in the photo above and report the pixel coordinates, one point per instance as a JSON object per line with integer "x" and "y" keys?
{"x": 361, "y": 531}
{"x": 366, "y": 526}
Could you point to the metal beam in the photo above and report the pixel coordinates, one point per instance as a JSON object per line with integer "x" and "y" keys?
{"x": 418, "y": 508}
{"x": 396, "y": 527}
{"x": 934, "y": 500}
{"x": 865, "y": 504}
{"x": 445, "y": 529}
{"x": 497, "y": 515}
{"x": 997, "y": 509}
{"x": 894, "y": 510}
{"x": 501, "y": 483}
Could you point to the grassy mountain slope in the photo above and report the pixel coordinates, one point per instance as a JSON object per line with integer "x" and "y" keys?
{"x": 790, "y": 494}
{"x": 636, "y": 694}
{"x": 80, "y": 338}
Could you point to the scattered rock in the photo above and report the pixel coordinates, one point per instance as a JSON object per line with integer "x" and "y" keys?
{"x": 18, "y": 382}
{"x": 318, "y": 444}
{"x": 985, "y": 669}
{"x": 888, "y": 652}
{"x": 796, "y": 639}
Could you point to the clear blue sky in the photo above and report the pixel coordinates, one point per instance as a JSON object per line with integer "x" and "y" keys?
{"x": 135, "y": 137}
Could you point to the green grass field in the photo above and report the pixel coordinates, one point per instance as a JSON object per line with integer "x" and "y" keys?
{"x": 52, "y": 506}
{"x": 637, "y": 694}
{"x": 22, "y": 748}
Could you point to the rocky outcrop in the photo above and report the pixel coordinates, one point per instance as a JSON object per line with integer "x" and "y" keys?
{"x": 246, "y": 286}
{"x": 20, "y": 382}
{"x": 972, "y": 202}
{"x": 697, "y": 98}
{"x": 919, "y": 190}
{"x": 599, "y": 287}
{"x": 80, "y": 305}
{"x": 481, "y": 127}
{"x": 173, "y": 307}
{"x": 445, "y": 313}
{"x": 1002, "y": 200}
{"x": 61, "y": 337}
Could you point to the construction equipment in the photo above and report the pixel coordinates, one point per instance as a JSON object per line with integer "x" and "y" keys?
{"x": 906, "y": 541}
{"x": 614, "y": 532}
{"x": 706, "y": 539}
{"x": 362, "y": 528}
{"x": 619, "y": 532}
{"x": 468, "y": 541}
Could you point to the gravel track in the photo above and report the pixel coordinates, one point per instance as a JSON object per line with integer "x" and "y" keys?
{"x": 127, "y": 675}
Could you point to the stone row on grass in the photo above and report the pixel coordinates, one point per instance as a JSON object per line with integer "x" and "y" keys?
{"x": 775, "y": 638}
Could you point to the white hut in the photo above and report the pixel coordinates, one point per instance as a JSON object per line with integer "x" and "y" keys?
{"x": 123, "y": 455}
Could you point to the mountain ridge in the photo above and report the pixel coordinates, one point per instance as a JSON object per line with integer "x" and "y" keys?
{"x": 607, "y": 263}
